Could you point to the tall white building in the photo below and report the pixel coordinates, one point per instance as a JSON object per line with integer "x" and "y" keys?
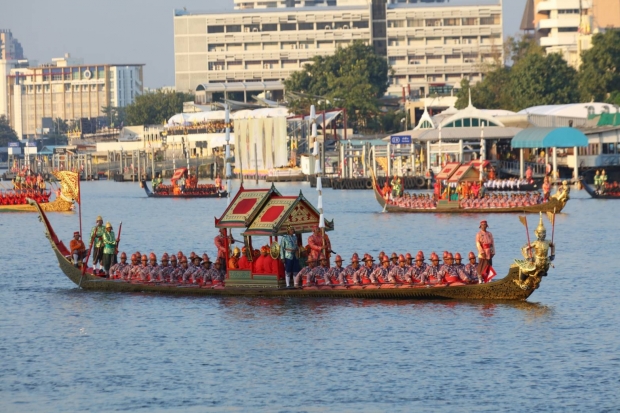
{"x": 431, "y": 45}
{"x": 69, "y": 90}
{"x": 566, "y": 26}
{"x": 11, "y": 56}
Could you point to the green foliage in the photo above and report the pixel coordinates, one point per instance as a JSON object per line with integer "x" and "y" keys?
{"x": 519, "y": 47}
{"x": 354, "y": 77}
{"x": 116, "y": 115}
{"x": 490, "y": 93}
{"x": 542, "y": 80}
{"x": 156, "y": 108}
{"x": 7, "y": 134}
{"x": 599, "y": 74}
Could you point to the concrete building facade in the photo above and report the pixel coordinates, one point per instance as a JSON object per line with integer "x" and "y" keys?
{"x": 567, "y": 26}
{"x": 69, "y": 90}
{"x": 429, "y": 45}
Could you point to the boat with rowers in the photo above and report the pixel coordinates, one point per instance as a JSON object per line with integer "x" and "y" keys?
{"x": 596, "y": 194}
{"x": 190, "y": 189}
{"x": 267, "y": 213}
{"x": 454, "y": 173}
{"x": 64, "y": 201}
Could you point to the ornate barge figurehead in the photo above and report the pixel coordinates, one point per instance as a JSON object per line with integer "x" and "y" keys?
{"x": 562, "y": 195}
{"x": 69, "y": 192}
{"x": 537, "y": 259}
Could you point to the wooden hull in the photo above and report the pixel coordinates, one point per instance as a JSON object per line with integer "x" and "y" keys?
{"x": 505, "y": 289}
{"x": 594, "y": 194}
{"x": 222, "y": 194}
{"x": 453, "y": 208}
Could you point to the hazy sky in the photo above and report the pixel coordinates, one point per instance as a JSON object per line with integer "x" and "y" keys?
{"x": 126, "y": 31}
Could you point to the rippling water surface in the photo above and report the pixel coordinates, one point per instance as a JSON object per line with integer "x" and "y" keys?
{"x": 67, "y": 350}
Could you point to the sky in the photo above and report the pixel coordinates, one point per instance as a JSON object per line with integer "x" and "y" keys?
{"x": 127, "y": 31}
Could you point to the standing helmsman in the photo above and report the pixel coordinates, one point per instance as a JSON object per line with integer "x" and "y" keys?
{"x": 486, "y": 250}
{"x": 288, "y": 253}
{"x": 96, "y": 238}
{"x": 109, "y": 248}
{"x": 222, "y": 242}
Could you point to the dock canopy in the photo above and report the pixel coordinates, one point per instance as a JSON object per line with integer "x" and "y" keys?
{"x": 549, "y": 138}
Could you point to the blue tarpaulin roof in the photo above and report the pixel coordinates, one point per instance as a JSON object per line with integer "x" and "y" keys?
{"x": 549, "y": 138}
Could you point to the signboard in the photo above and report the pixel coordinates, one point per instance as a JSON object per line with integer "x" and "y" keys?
{"x": 13, "y": 144}
{"x": 31, "y": 144}
{"x": 60, "y": 151}
{"x": 400, "y": 139}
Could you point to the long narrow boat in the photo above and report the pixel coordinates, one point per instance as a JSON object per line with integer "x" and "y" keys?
{"x": 174, "y": 191}
{"x": 556, "y": 203}
{"x": 595, "y": 194}
{"x": 64, "y": 202}
{"x": 267, "y": 212}
{"x": 188, "y": 194}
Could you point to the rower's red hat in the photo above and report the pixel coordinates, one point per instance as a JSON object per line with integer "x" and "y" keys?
{"x": 152, "y": 256}
{"x": 471, "y": 255}
{"x": 76, "y": 233}
{"x": 483, "y": 222}
{"x": 338, "y": 258}
{"x": 434, "y": 256}
{"x": 134, "y": 257}
{"x": 123, "y": 254}
{"x": 368, "y": 258}
{"x": 355, "y": 257}
{"x": 164, "y": 256}
{"x": 385, "y": 259}
{"x": 421, "y": 253}
{"x": 401, "y": 257}
{"x": 457, "y": 256}
{"x": 144, "y": 258}
{"x": 408, "y": 256}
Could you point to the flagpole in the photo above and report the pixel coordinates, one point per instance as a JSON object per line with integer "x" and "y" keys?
{"x": 317, "y": 170}
{"x": 79, "y": 201}
{"x": 228, "y": 166}
{"x": 527, "y": 231}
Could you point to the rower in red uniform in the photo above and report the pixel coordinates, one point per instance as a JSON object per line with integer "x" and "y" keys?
{"x": 222, "y": 241}
{"x": 244, "y": 263}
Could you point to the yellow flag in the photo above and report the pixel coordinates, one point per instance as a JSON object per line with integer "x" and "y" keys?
{"x": 523, "y": 221}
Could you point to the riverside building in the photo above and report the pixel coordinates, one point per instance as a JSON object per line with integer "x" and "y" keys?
{"x": 69, "y": 90}
{"x": 431, "y": 45}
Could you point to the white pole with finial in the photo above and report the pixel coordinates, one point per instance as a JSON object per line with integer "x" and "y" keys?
{"x": 228, "y": 166}
{"x": 317, "y": 167}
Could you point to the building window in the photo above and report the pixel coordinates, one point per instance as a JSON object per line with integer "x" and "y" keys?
{"x": 567, "y": 29}
{"x": 396, "y": 23}
{"x": 415, "y": 22}
{"x": 248, "y": 28}
{"x": 492, "y": 20}
{"x": 233, "y": 28}
{"x": 568, "y": 11}
{"x": 609, "y": 148}
{"x": 215, "y": 29}
{"x": 219, "y": 47}
{"x": 286, "y": 27}
{"x": 306, "y": 26}
{"x": 67, "y": 87}
{"x": 361, "y": 24}
{"x": 451, "y": 22}
{"x": 324, "y": 26}
{"x": 269, "y": 28}
{"x": 433, "y": 22}
{"x": 469, "y": 21}
{"x": 67, "y": 76}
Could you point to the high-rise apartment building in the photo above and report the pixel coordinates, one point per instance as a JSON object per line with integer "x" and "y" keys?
{"x": 566, "y": 26}
{"x": 10, "y": 48}
{"x": 11, "y": 55}
{"x": 430, "y": 44}
{"x": 69, "y": 90}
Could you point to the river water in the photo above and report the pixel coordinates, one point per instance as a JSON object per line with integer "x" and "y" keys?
{"x": 67, "y": 350}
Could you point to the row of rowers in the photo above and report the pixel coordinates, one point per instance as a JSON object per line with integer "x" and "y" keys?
{"x": 177, "y": 269}
{"x": 395, "y": 269}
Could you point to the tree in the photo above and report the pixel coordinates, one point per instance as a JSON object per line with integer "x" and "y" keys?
{"x": 7, "y": 134}
{"x": 116, "y": 115}
{"x": 542, "y": 80}
{"x": 156, "y": 108}
{"x": 355, "y": 77}
{"x": 516, "y": 48}
{"x": 490, "y": 93}
{"x": 599, "y": 74}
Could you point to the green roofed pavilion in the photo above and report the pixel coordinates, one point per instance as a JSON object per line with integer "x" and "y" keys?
{"x": 549, "y": 138}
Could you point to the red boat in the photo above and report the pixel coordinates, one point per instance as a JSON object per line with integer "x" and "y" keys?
{"x": 191, "y": 188}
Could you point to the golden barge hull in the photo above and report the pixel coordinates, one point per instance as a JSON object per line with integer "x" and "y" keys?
{"x": 452, "y": 208}
{"x": 502, "y": 290}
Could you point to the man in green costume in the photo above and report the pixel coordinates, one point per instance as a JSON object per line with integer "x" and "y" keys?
{"x": 109, "y": 248}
